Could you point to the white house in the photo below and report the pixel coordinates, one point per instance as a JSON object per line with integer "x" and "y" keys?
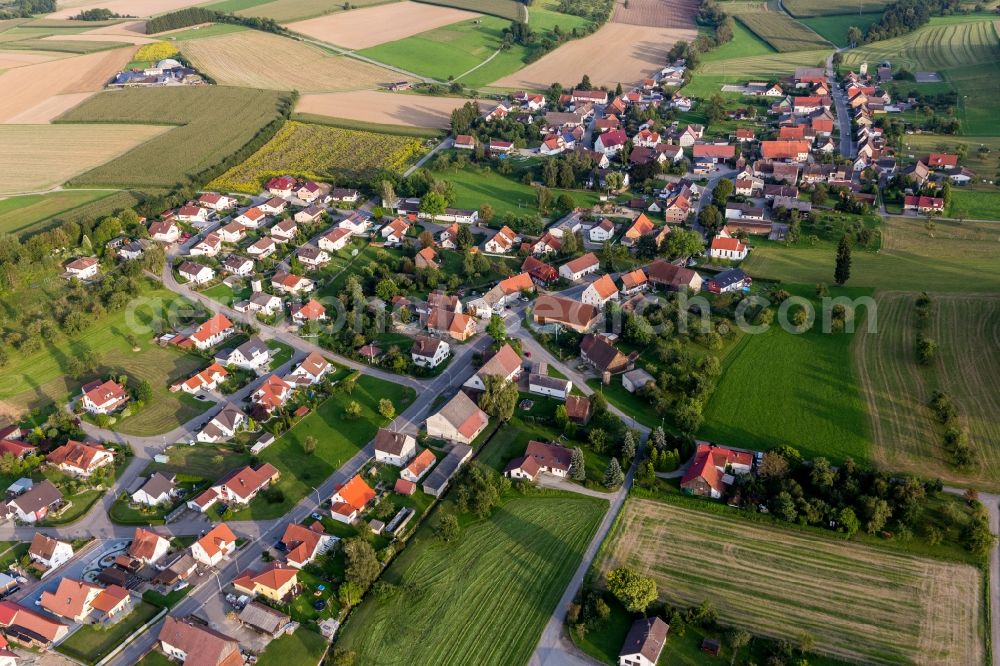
{"x": 212, "y": 332}
{"x": 289, "y": 283}
{"x": 216, "y": 201}
{"x": 355, "y": 222}
{"x": 502, "y": 242}
{"x": 395, "y": 231}
{"x": 192, "y": 214}
{"x": 251, "y": 218}
{"x": 611, "y": 143}
{"x": 209, "y": 246}
{"x": 580, "y": 267}
{"x": 312, "y": 256}
{"x": 233, "y": 232}
{"x": 644, "y": 643}
{"x": 49, "y": 552}
{"x": 158, "y": 489}
{"x": 218, "y": 544}
{"x": 253, "y": 354}
{"x": 336, "y": 239}
{"x": 284, "y": 231}
{"x": 164, "y": 231}
{"x": 237, "y": 265}
{"x": 394, "y": 448}
{"x": 196, "y": 273}
{"x": 555, "y": 387}
{"x": 263, "y": 247}
{"x": 223, "y": 426}
{"x": 602, "y": 231}
{"x": 83, "y": 268}
{"x": 147, "y": 546}
{"x": 428, "y": 352}
{"x": 728, "y": 248}
{"x": 600, "y": 291}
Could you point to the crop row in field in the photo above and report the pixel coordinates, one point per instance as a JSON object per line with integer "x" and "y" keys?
{"x": 320, "y": 152}
{"x": 213, "y": 123}
{"x": 502, "y": 577}
{"x": 897, "y": 389}
{"x": 781, "y": 31}
{"x": 859, "y": 603}
{"x": 807, "y": 8}
{"x": 933, "y": 47}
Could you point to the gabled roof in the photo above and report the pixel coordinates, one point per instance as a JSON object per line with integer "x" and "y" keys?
{"x": 552, "y": 456}
{"x": 218, "y": 536}
{"x": 710, "y": 462}
{"x": 246, "y": 481}
{"x": 217, "y": 324}
{"x": 647, "y": 636}
{"x": 40, "y": 495}
{"x": 633, "y": 279}
{"x": 583, "y": 263}
{"x": 76, "y": 454}
{"x": 43, "y": 546}
{"x": 203, "y": 646}
{"x": 464, "y": 415}
{"x": 144, "y": 544}
{"x": 731, "y": 244}
{"x": 70, "y": 598}
{"x": 301, "y": 541}
{"x": 419, "y": 464}
{"x": 640, "y": 227}
{"x": 504, "y": 363}
{"x": 110, "y": 598}
{"x": 273, "y": 576}
{"x": 517, "y": 283}
{"x": 604, "y": 286}
{"x": 391, "y": 442}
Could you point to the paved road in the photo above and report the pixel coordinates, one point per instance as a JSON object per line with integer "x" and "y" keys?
{"x": 843, "y": 117}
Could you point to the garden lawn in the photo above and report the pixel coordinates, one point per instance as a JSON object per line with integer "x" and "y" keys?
{"x": 91, "y": 643}
{"x": 503, "y": 576}
{"x": 81, "y": 505}
{"x": 199, "y": 462}
{"x": 783, "y": 388}
{"x": 305, "y": 647}
{"x": 155, "y": 658}
{"x": 281, "y": 353}
{"x": 337, "y": 440}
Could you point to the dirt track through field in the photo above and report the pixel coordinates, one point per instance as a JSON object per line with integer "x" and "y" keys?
{"x": 28, "y": 87}
{"x": 362, "y": 28}
{"x": 257, "y": 59}
{"x": 616, "y": 53}
{"x": 897, "y": 389}
{"x": 382, "y": 107}
{"x": 859, "y": 603}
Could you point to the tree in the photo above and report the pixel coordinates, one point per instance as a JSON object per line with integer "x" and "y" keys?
{"x": 426, "y": 239}
{"x": 819, "y": 194}
{"x": 710, "y": 218}
{"x": 822, "y": 475}
{"x": 877, "y": 513}
{"x": 613, "y": 475}
{"x": 716, "y": 111}
{"x": 544, "y": 199}
{"x": 479, "y": 489}
{"x": 144, "y": 391}
{"x": 645, "y": 247}
{"x": 773, "y": 466}
{"x": 309, "y": 444}
{"x": 362, "y": 564}
{"x": 848, "y": 521}
{"x": 446, "y": 527}
{"x": 854, "y": 35}
{"x": 585, "y": 83}
{"x": 499, "y": 397}
{"x": 342, "y": 657}
{"x": 614, "y": 181}
{"x": 842, "y": 272}
{"x": 628, "y": 445}
{"x": 386, "y": 289}
{"x": 723, "y": 190}
{"x": 352, "y": 410}
{"x": 634, "y": 591}
{"x": 465, "y": 239}
{"x": 349, "y": 594}
{"x": 433, "y": 203}
{"x": 926, "y": 349}
{"x": 486, "y": 213}
{"x": 497, "y": 327}
{"x": 388, "y": 193}
{"x": 739, "y": 639}
{"x": 578, "y": 465}
{"x": 387, "y": 409}
{"x": 682, "y": 243}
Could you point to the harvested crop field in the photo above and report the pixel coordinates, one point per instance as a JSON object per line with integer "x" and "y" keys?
{"x": 257, "y": 59}
{"x": 362, "y": 28}
{"x": 124, "y": 7}
{"x": 859, "y": 603}
{"x": 616, "y": 53}
{"x": 803, "y": 8}
{"x": 655, "y": 13}
{"x": 10, "y": 60}
{"x": 128, "y": 33}
{"x": 782, "y": 31}
{"x": 49, "y": 109}
{"x": 43, "y": 156}
{"x": 320, "y": 152}
{"x": 286, "y": 11}
{"x": 937, "y": 46}
{"x": 512, "y": 10}
{"x": 897, "y": 389}
{"x": 27, "y": 87}
{"x": 382, "y": 107}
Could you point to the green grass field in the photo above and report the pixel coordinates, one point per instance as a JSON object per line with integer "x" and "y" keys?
{"x": 305, "y": 647}
{"x": 505, "y": 9}
{"x": 782, "y": 31}
{"x": 503, "y": 576}
{"x": 287, "y": 11}
{"x": 338, "y": 438}
{"x": 213, "y": 122}
{"x": 834, "y": 28}
{"x": 91, "y": 643}
{"x": 810, "y": 399}
{"x": 978, "y": 205}
{"x": 984, "y": 164}
{"x": 949, "y": 257}
{"x": 744, "y": 44}
{"x": 21, "y": 214}
{"x": 758, "y": 64}
{"x": 809, "y": 8}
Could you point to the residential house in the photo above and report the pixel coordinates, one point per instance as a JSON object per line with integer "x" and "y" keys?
{"x": 343, "y": 195}
{"x": 24, "y": 626}
{"x": 72, "y": 599}
{"x": 724, "y": 247}
{"x": 922, "y": 204}
{"x": 222, "y": 426}
{"x": 350, "y": 499}
{"x": 611, "y": 142}
{"x": 10, "y": 447}
{"x": 426, "y": 258}
{"x": 273, "y": 206}
{"x": 312, "y": 256}
{"x": 941, "y": 161}
{"x": 84, "y": 268}
{"x": 600, "y": 353}
{"x": 312, "y": 310}
{"x": 505, "y": 364}
{"x": 577, "y": 269}
{"x": 284, "y": 231}
{"x": 157, "y": 490}
{"x": 272, "y": 394}
{"x": 602, "y": 231}
{"x": 237, "y": 265}
{"x": 239, "y": 487}
{"x": 103, "y": 397}
{"x": 454, "y": 324}
{"x": 465, "y": 142}
{"x": 578, "y": 409}
{"x": 713, "y": 468}
{"x": 395, "y": 231}
{"x": 79, "y": 459}
{"x": 308, "y": 215}
{"x": 216, "y": 545}
{"x": 209, "y": 246}
{"x": 394, "y": 448}
{"x": 335, "y": 240}
{"x": 600, "y": 291}
{"x": 540, "y": 272}
{"x": 307, "y": 191}
{"x": 288, "y": 283}
{"x": 253, "y": 354}
{"x": 260, "y": 302}
{"x": 574, "y": 315}
{"x": 428, "y": 352}
{"x": 304, "y": 544}
{"x": 147, "y": 546}
{"x": 216, "y": 201}
{"x": 233, "y": 232}
{"x": 448, "y": 237}
{"x": 34, "y": 504}
{"x": 670, "y": 276}
{"x": 640, "y": 227}
{"x": 132, "y": 249}
{"x": 591, "y": 96}
{"x": 501, "y": 242}
{"x": 180, "y": 639}
{"x": 795, "y": 151}
{"x": 356, "y": 222}
{"x": 644, "y": 643}
{"x": 732, "y": 280}
{"x": 499, "y": 147}
{"x": 48, "y": 552}
{"x": 196, "y": 273}
{"x": 418, "y": 467}
{"x": 437, "y": 481}
{"x": 549, "y": 243}
{"x": 540, "y": 458}
{"x": 164, "y": 231}
{"x": 274, "y": 581}
{"x": 459, "y": 420}
{"x": 262, "y": 248}
{"x": 714, "y": 152}
{"x": 310, "y": 371}
{"x": 212, "y": 332}
{"x": 634, "y": 282}
{"x": 192, "y": 214}
{"x": 281, "y": 186}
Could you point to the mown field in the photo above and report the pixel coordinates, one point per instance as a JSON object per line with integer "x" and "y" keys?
{"x": 19, "y": 214}
{"x": 980, "y": 205}
{"x": 748, "y": 59}
{"x": 897, "y": 389}
{"x": 984, "y": 164}
{"x": 320, "y": 152}
{"x": 781, "y": 31}
{"x": 256, "y": 59}
{"x": 44, "y": 156}
{"x": 284, "y": 11}
{"x": 834, "y": 28}
{"x": 502, "y": 577}
{"x": 950, "y": 257}
{"x": 212, "y": 123}
{"x": 812, "y": 400}
{"x": 510, "y": 10}
{"x": 808, "y": 8}
{"x": 859, "y": 603}
{"x": 963, "y": 49}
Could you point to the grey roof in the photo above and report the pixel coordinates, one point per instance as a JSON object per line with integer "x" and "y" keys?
{"x": 391, "y": 442}
{"x": 41, "y": 495}
{"x": 263, "y": 618}
{"x": 646, "y": 637}
{"x": 545, "y": 381}
{"x": 158, "y": 484}
{"x": 252, "y": 347}
{"x": 227, "y": 417}
{"x": 445, "y": 469}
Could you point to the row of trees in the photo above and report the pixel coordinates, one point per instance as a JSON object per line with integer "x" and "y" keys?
{"x": 184, "y": 18}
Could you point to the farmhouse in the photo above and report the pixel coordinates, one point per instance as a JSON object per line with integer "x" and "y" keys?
{"x": 923, "y": 204}
{"x": 578, "y": 409}
{"x": 634, "y": 282}
{"x": 540, "y": 272}
{"x": 465, "y": 142}
{"x": 574, "y": 315}
{"x": 644, "y": 643}
{"x": 349, "y": 499}
{"x": 79, "y": 459}
{"x": 418, "y": 467}
{"x": 540, "y": 458}
{"x": 540, "y": 383}
{"x": 196, "y": 273}
{"x": 437, "y": 481}
{"x": 713, "y": 468}
{"x": 212, "y": 332}
{"x": 84, "y": 268}
{"x": 669, "y": 276}
{"x": 505, "y": 364}
{"x": 180, "y": 638}
{"x": 580, "y": 267}
{"x": 48, "y": 552}
{"x": 394, "y": 448}
{"x": 640, "y": 227}
{"x": 103, "y": 397}
{"x": 600, "y": 291}
{"x": 218, "y": 544}
{"x": 598, "y": 352}
{"x": 304, "y": 544}
{"x": 428, "y": 352}
{"x": 459, "y": 420}
{"x": 713, "y": 152}
{"x": 26, "y": 627}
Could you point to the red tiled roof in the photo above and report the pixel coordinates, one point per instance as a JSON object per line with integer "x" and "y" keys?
{"x": 212, "y": 327}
